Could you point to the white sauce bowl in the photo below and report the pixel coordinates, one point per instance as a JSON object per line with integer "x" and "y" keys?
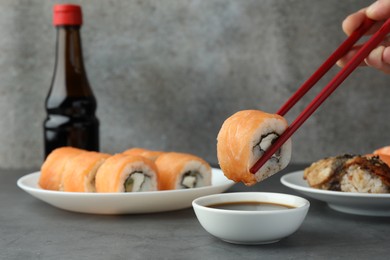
{"x": 251, "y": 227}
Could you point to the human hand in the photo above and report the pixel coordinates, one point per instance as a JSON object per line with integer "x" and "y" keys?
{"x": 379, "y": 58}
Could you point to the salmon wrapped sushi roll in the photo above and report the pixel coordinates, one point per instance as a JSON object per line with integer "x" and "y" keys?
{"x": 126, "y": 173}
{"x": 54, "y": 165}
{"x": 150, "y": 154}
{"x": 80, "y": 172}
{"x": 182, "y": 171}
{"x": 243, "y": 139}
{"x": 385, "y": 158}
{"x": 383, "y": 150}
{"x": 384, "y": 154}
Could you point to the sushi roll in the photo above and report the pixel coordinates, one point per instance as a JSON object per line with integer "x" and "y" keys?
{"x": 151, "y": 155}
{"x": 384, "y": 154}
{"x": 384, "y": 157}
{"x": 321, "y": 174}
{"x": 126, "y": 173}
{"x": 54, "y": 165}
{"x": 383, "y": 150}
{"x": 243, "y": 139}
{"x": 79, "y": 173}
{"x": 182, "y": 171}
{"x": 367, "y": 174}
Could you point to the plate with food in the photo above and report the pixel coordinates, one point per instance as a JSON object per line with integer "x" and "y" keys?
{"x": 126, "y": 183}
{"x": 123, "y": 203}
{"x": 347, "y": 183}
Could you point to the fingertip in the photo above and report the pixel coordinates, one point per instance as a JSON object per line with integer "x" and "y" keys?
{"x": 374, "y": 59}
{"x": 353, "y": 21}
{"x": 372, "y": 10}
{"x": 348, "y": 25}
{"x": 386, "y": 55}
{"x": 379, "y": 10}
{"x": 348, "y": 56}
{"x": 344, "y": 60}
{"x": 340, "y": 63}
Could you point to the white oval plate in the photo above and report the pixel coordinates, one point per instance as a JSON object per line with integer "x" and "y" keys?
{"x": 367, "y": 204}
{"x": 123, "y": 203}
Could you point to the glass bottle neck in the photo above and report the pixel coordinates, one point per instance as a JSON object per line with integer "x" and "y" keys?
{"x": 70, "y": 77}
{"x": 69, "y": 56}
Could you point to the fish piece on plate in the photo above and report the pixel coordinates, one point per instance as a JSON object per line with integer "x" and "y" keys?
{"x": 182, "y": 171}
{"x": 365, "y": 174}
{"x": 385, "y": 158}
{"x": 126, "y": 173}
{"x": 356, "y": 174}
{"x": 150, "y": 154}
{"x": 384, "y": 154}
{"x": 80, "y": 172}
{"x": 320, "y": 174}
{"x": 54, "y": 165}
{"x": 243, "y": 139}
{"x": 383, "y": 150}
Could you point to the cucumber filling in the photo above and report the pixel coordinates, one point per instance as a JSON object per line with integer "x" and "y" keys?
{"x": 137, "y": 181}
{"x": 191, "y": 179}
{"x": 265, "y": 142}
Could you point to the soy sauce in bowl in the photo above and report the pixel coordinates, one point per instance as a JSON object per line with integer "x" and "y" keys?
{"x": 251, "y": 217}
{"x": 250, "y": 206}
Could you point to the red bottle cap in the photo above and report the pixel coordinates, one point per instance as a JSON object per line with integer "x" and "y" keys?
{"x": 67, "y": 14}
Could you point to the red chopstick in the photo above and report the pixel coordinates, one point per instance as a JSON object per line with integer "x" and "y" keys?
{"x": 324, "y": 94}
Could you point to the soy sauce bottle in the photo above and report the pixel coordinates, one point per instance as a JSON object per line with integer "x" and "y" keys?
{"x": 70, "y": 103}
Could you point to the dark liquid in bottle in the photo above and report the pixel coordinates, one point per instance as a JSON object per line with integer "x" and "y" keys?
{"x": 70, "y": 103}
{"x": 72, "y": 122}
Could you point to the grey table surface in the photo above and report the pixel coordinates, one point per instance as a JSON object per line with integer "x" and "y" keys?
{"x": 31, "y": 229}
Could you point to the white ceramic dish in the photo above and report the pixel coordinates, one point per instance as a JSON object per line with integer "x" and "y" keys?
{"x": 251, "y": 227}
{"x": 348, "y": 202}
{"x": 123, "y": 203}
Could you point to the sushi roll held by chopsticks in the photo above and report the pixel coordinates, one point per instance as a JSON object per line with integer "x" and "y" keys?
{"x": 243, "y": 139}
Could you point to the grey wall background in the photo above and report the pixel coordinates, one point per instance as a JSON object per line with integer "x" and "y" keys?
{"x": 167, "y": 73}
